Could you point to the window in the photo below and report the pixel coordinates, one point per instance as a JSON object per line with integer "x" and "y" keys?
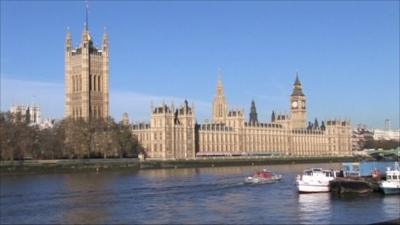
{"x": 98, "y": 83}
{"x": 90, "y": 82}
{"x": 94, "y": 82}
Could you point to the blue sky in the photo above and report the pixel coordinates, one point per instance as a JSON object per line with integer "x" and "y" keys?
{"x": 346, "y": 53}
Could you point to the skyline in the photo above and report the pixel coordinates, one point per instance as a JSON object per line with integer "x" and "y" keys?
{"x": 328, "y": 77}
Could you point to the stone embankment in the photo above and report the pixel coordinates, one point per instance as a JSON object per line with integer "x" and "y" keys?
{"x": 81, "y": 165}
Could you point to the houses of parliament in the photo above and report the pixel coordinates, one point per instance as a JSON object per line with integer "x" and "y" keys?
{"x": 173, "y": 132}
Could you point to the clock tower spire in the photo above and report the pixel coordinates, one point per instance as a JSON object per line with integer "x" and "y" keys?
{"x": 298, "y": 107}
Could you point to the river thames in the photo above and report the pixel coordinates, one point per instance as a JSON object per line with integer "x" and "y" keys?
{"x": 189, "y": 196}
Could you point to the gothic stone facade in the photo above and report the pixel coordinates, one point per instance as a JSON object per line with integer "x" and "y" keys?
{"x": 173, "y": 133}
{"x": 86, "y": 78}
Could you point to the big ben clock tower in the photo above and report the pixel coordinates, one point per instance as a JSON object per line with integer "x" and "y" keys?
{"x": 298, "y": 106}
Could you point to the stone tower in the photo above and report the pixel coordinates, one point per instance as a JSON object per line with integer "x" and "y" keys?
{"x": 86, "y": 77}
{"x": 253, "y": 118}
{"x": 125, "y": 119}
{"x": 185, "y": 132}
{"x": 220, "y": 107}
{"x": 298, "y": 106}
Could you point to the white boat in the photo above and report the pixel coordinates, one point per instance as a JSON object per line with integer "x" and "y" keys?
{"x": 392, "y": 183}
{"x": 263, "y": 177}
{"x": 314, "y": 180}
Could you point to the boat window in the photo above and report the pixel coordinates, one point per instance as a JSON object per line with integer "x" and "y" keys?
{"x": 389, "y": 177}
{"x": 394, "y": 177}
{"x": 346, "y": 168}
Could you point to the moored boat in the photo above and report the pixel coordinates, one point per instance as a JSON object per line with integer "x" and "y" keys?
{"x": 315, "y": 180}
{"x": 263, "y": 177}
{"x": 392, "y": 183}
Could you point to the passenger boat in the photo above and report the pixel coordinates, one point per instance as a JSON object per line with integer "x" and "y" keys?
{"x": 315, "y": 180}
{"x": 392, "y": 183}
{"x": 263, "y": 177}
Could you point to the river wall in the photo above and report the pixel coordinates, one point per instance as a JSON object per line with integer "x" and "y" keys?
{"x": 97, "y": 165}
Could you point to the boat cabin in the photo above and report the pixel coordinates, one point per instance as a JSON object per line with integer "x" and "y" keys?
{"x": 392, "y": 177}
{"x": 326, "y": 173}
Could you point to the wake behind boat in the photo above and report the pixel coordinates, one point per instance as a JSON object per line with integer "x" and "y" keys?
{"x": 263, "y": 177}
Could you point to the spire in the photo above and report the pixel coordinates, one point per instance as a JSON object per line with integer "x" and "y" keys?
{"x": 253, "y": 113}
{"x": 85, "y": 33}
{"x": 86, "y": 16}
{"x": 105, "y": 39}
{"x": 297, "y": 90}
{"x": 220, "y": 87}
{"x": 68, "y": 37}
{"x": 273, "y": 116}
{"x": 297, "y": 82}
{"x": 105, "y": 34}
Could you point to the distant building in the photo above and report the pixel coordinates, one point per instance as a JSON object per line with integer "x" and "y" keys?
{"x": 32, "y": 115}
{"x": 47, "y": 123}
{"x": 28, "y": 113}
{"x": 388, "y": 125}
{"x": 387, "y": 133}
{"x": 174, "y": 134}
{"x": 125, "y": 119}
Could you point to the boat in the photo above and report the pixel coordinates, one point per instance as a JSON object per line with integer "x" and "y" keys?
{"x": 263, "y": 177}
{"x": 315, "y": 180}
{"x": 392, "y": 183}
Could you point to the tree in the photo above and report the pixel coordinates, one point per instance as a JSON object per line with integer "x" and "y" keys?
{"x": 71, "y": 138}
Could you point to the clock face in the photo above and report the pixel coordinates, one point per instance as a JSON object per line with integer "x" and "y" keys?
{"x": 294, "y": 104}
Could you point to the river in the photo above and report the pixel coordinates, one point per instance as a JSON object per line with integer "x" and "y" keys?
{"x": 189, "y": 196}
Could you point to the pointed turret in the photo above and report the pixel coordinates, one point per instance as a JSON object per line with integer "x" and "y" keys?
{"x": 316, "y": 124}
{"x": 220, "y": 86}
{"x": 220, "y": 107}
{"x": 68, "y": 40}
{"x": 85, "y": 33}
{"x": 253, "y": 113}
{"x": 297, "y": 89}
{"x": 323, "y": 125}
{"x": 86, "y": 16}
{"x": 105, "y": 40}
{"x": 273, "y": 116}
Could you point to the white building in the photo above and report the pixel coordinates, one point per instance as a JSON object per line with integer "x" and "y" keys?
{"x": 32, "y": 114}
{"x": 386, "y": 134}
{"x": 30, "y": 111}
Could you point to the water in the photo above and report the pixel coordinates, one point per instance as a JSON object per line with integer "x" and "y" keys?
{"x": 199, "y": 196}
